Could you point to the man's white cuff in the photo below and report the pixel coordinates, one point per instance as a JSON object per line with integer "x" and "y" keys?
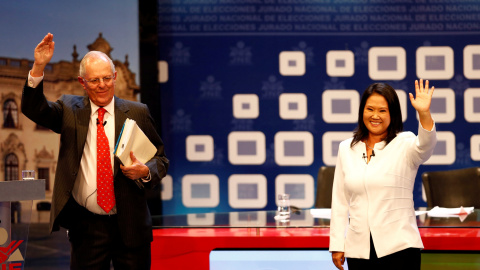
{"x": 148, "y": 178}
{"x": 33, "y": 82}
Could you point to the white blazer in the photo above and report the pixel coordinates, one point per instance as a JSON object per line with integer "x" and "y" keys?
{"x": 377, "y": 198}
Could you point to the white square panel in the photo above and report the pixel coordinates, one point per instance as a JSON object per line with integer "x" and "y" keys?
{"x": 200, "y": 190}
{"x": 475, "y": 147}
{"x": 245, "y": 106}
{"x": 435, "y": 63}
{"x": 167, "y": 188}
{"x": 444, "y": 152}
{"x": 330, "y": 143}
{"x": 472, "y": 105}
{"x": 402, "y": 98}
{"x": 199, "y": 148}
{"x": 300, "y": 187}
{"x": 442, "y": 107}
{"x": 207, "y": 219}
{"x": 471, "y": 62}
{"x": 292, "y": 63}
{"x": 293, "y": 106}
{"x": 387, "y": 63}
{"x": 246, "y": 148}
{"x": 294, "y": 148}
{"x": 247, "y": 191}
{"x": 248, "y": 219}
{"x": 162, "y": 71}
{"x": 340, "y": 63}
{"x": 340, "y": 106}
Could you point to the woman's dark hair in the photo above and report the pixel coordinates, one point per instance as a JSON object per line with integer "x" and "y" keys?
{"x": 396, "y": 125}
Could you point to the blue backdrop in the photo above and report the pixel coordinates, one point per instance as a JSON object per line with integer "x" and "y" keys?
{"x": 257, "y": 94}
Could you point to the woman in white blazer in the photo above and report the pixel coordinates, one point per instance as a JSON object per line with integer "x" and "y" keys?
{"x": 373, "y": 221}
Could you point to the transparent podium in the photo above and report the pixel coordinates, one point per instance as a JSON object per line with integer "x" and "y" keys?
{"x": 16, "y": 200}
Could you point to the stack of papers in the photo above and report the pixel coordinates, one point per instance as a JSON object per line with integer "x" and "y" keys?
{"x": 325, "y": 213}
{"x": 418, "y": 213}
{"x": 450, "y": 212}
{"x": 133, "y": 139}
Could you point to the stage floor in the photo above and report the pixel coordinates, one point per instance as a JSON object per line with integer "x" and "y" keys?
{"x": 47, "y": 251}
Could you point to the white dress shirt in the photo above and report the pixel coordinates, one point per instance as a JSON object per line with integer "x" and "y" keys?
{"x": 85, "y": 188}
{"x": 377, "y": 198}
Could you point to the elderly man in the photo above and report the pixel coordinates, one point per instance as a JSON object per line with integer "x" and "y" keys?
{"x": 100, "y": 202}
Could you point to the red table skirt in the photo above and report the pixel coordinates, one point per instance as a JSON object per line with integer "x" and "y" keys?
{"x": 189, "y": 248}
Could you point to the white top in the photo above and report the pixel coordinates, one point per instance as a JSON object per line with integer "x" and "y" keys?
{"x": 378, "y": 196}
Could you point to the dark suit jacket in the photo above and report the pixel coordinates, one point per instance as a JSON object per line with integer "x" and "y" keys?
{"x": 69, "y": 116}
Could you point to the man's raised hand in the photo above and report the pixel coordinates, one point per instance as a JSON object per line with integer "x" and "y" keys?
{"x": 43, "y": 54}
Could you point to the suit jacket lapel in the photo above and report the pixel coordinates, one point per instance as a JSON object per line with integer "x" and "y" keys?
{"x": 83, "y": 113}
{"x": 121, "y": 110}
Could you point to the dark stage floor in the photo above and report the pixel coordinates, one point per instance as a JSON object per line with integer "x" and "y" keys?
{"x": 47, "y": 251}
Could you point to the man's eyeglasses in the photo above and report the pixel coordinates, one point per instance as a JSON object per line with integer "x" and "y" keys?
{"x": 97, "y": 81}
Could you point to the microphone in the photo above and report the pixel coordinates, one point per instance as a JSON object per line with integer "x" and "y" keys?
{"x": 104, "y": 123}
{"x": 365, "y": 157}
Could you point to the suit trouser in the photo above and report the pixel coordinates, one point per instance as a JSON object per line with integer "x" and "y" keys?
{"x": 409, "y": 258}
{"x": 96, "y": 241}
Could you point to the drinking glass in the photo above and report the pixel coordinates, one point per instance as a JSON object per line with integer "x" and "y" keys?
{"x": 284, "y": 205}
{"x": 28, "y": 175}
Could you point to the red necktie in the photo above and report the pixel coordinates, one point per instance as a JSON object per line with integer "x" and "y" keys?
{"x": 105, "y": 195}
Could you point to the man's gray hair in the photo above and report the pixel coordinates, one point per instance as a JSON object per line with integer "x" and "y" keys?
{"x": 94, "y": 54}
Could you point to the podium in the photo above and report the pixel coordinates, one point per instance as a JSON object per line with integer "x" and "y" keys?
{"x": 16, "y": 200}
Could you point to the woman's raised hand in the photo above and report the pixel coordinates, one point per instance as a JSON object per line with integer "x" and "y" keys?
{"x": 422, "y": 102}
{"x": 423, "y": 96}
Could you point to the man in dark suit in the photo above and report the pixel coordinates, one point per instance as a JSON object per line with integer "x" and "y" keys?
{"x": 119, "y": 231}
